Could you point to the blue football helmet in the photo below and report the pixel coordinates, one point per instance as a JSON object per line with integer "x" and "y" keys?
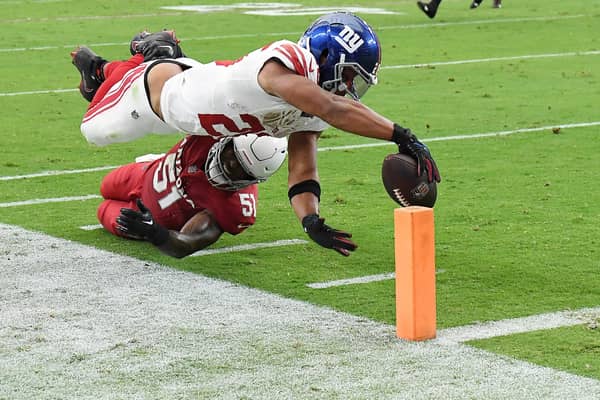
{"x": 347, "y": 51}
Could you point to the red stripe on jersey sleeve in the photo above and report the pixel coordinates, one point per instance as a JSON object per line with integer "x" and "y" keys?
{"x": 296, "y": 57}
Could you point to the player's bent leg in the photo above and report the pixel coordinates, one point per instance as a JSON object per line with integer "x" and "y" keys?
{"x": 124, "y": 113}
{"x": 109, "y": 210}
{"x": 124, "y": 183}
{"x": 114, "y": 71}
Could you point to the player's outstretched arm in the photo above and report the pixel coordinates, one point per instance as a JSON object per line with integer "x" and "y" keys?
{"x": 343, "y": 113}
{"x": 198, "y": 232}
{"x": 304, "y": 193}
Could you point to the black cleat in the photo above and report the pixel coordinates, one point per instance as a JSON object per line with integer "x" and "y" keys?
{"x": 475, "y": 3}
{"x": 429, "y": 9}
{"x": 89, "y": 65}
{"x": 497, "y": 4}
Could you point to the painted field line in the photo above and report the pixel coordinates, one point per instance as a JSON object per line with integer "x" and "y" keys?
{"x": 281, "y": 34}
{"x": 494, "y": 59}
{"x": 482, "y": 22}
{"x": 352, "y": 281}
{"x": 296, "y": 33}
{"x": 37, "y": 92}
{"x": 470, "y": 136}
{"x": 50, "y": 200}
{"x": 519, "y": 325}
{"x": 358, "y": 280}
{"x": 347, "y": 147}
{"x": 222, "y": 250}
{"x": 88, "y": 18}
{"x": 402, "y": 66}
{"x": 53, "y": 173}
{"x": 250, "y": 246}
{"x": 91, "y": 227}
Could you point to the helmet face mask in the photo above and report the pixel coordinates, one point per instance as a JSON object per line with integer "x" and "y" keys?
{"x": 355, "y": 86}
{"x": 342, "y": 42}
{"x": 218, "y": 167}
{"x": 234, "y": 163}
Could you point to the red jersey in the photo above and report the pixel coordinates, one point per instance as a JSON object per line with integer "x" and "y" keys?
{"x": 175, "y": 188}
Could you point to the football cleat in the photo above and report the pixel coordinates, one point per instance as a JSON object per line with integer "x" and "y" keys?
{"x": 475, "y": 3}
{"x": 429, "y": 9}
{"x": 497, "y": 4}
{"x": 89, "y": 65}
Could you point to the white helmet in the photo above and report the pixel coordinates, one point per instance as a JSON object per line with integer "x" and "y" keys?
{"x": 259, "y": 157}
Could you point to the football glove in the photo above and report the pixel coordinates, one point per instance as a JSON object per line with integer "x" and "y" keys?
{"x": 141, "y": 225}
{"x": 136, "y": 40}
{"x": 327, "y": 236}
{"x": 157, "y": 45}
{"x": 409, "y": 144}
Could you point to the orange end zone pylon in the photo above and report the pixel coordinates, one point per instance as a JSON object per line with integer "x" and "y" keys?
{"x": 415, "y": 273}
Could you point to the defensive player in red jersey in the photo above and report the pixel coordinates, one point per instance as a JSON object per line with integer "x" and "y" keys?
{"x": 186, "y": 199}
{"x": 283, "y": 89}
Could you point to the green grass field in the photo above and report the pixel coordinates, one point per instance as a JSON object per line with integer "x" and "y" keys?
{"x": 517, "y": 230}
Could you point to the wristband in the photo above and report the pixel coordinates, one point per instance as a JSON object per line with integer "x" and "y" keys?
{"x": 309, "y": 185}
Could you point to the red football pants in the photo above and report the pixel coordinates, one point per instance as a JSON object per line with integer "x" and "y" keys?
{"x": 120, "y": 188}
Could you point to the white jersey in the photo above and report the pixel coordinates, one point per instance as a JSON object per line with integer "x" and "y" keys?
{"x": 124, "y": 113}
{"x": 216, "y": 99}
{"x": 224, "y": 98}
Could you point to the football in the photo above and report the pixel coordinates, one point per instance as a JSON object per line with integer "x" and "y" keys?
{"x": 399, "y": 175}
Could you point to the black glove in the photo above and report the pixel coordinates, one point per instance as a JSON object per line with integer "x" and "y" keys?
{"x": 158, "y": 45}
{"x": 326, "y": 236}
{"x": 409, "y": 144}
{"x": 141, "y": 225}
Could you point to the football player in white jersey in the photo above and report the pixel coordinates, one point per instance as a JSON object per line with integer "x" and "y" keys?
{"x": 281, "y": 89}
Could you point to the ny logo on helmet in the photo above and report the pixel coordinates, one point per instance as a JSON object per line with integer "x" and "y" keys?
{"x": 349, "y": 39}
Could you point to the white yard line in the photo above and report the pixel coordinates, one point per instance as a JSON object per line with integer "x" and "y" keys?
{"x": 349, "y": 147}
{"x": 32, "y": 92}
{"x": 98, "y": 324}
{"x": 49, "y": 200}
{"x": 495, "y": 59}
{"x": 53, "y": 173}
{"x": 483, "y": 22}
{"x": 352, "y": 281}
{"x": 358, "y": 280}
{"x": 92, "y": 227}
{"x": 279, "y": 34}
{"x": 225, "y": 250}
{"x": 519, "y": 325}
{"x": 402, "y": 66}
{"x": 88, "y": 18}
{"x": 249, "y": 246}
